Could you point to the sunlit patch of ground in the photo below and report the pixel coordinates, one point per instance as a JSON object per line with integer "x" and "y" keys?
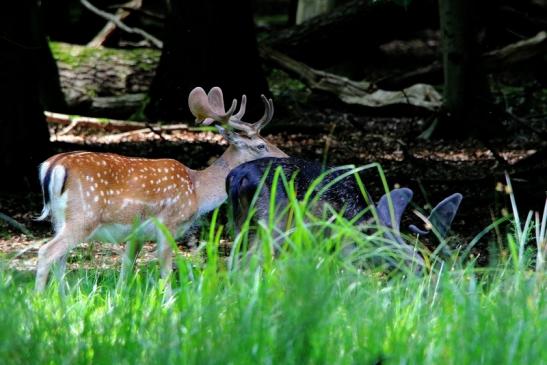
{"x": 20, "y": 252}
{"x": 473, "y": 154}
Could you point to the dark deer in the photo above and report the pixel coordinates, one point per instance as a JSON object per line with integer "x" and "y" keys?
{"x": 254, "y": 181}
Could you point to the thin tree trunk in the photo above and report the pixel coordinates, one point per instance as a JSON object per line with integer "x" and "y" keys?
{"x": 308, "y": 9}
{"x": 466, "y": 89}
{"x": 457, "y": 43}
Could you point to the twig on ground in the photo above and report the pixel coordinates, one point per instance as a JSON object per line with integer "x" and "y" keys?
{"x": 12, "y": 222}
{"x": 126, "y": 127}
{"x": 156, "y": 132}
{"x": 97, "y": 123}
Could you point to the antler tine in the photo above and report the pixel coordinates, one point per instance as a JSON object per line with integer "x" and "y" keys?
{"x": 268, "y": 114}
{"x": 230, "y": 112}
{"x": 242, "y": 107}
{"x": 236, "y": 122}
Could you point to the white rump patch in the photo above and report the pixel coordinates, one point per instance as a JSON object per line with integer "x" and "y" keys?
{"x": 58, "y": 202}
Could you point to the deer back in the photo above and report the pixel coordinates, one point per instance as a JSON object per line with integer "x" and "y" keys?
{"x": 244, "y": 183}
{"x": 105, "y": 187}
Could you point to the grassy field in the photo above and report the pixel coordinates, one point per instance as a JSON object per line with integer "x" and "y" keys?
{"x": 316, "y": 303}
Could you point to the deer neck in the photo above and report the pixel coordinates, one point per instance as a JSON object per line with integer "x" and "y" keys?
{"x": 210, "y": 183}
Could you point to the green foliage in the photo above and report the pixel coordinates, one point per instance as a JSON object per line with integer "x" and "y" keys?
{"x": 281, "y": 84}
{"x": 311, "y": 304}
{"x": 307, "y": 307}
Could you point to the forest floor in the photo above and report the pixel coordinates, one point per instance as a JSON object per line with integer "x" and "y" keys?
{"x": 342, "y": 135}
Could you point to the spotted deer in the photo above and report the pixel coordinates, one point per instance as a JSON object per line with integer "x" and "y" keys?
{"x": 100, "y": 196}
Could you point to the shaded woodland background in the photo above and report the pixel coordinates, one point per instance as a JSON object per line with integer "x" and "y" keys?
{"x": 343, "y": 76}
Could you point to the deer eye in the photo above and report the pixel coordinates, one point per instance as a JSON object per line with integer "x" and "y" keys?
{"x": 261, "y": 147}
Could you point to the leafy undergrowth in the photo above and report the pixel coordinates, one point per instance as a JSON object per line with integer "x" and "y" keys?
{"x": 334, "y": 294}
{"x": 304, "y": 307}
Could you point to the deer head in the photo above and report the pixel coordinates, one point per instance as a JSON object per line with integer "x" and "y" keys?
{"x": 244, "y": 137}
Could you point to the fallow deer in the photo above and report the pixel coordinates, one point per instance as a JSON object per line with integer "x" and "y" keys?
{"x": 252, "y": 183}
{"x": 99, "y": 196}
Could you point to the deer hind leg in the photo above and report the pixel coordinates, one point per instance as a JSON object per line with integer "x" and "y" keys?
{"x": 54, "y": 251}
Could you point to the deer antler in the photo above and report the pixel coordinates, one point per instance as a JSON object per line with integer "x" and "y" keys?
{"x": 208, "y": 108}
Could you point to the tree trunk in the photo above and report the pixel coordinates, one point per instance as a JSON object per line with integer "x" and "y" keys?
{"x": 457, "y": 38}
{"x": 466, "y": 90}
{"x": 24, "y": 66}
{"x": 208, "y": 43}
{"x": 308, "y": 9}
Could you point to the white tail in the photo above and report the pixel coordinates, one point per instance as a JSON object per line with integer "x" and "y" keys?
{"x": 99, "y": 196}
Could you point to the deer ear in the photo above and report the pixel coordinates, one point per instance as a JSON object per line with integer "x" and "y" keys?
{"x": 228, "y": 135}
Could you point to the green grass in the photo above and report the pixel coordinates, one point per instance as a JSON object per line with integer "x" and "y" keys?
{"x": 313, "y": 304}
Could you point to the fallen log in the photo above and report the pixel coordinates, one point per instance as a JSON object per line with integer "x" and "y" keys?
{"x": 110, "y": 125}
{"x": 117, "y": 106}
{"x": 354, "y": 92}
{"x": 515, "y": 53}
{"x": 89, "y": 73}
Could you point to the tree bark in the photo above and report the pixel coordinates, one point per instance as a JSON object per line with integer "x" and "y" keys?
{"x": 208, "y": 43}
{"x": 466, "y": 90}
{"x": 308, "y": 9}
{"x": 25, "y": 64}
{"x": 457, "y": 41}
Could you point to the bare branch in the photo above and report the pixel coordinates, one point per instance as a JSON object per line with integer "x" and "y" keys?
{"x": 110, "y": 27}
{"x": 112, "y": 18}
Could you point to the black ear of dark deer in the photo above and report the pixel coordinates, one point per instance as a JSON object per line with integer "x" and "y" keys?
{"x": 400, "y": 199}
{"x": 441, "y": 216}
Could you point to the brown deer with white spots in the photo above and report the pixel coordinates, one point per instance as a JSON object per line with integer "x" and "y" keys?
{"x": 99, "y": 196}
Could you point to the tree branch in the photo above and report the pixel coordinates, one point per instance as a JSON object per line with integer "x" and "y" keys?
{"x": 108, "y": 29}
{"x": 492, "y": 61}
{"x": 114, "y": 19}
{"x": 354, "y": 92}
